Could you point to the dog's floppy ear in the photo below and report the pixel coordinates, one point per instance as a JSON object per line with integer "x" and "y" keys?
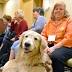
{"x": 20, "y": 46}
{"x": 45, "y": 56}
{"x": 43, "y": 44}
{"x": 21, "y": 39}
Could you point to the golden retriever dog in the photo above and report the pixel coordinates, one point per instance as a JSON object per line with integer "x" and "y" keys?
{"x": 31, "y": 57}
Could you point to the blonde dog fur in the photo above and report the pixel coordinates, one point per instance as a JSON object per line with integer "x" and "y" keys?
{"x": 31, "y": 57}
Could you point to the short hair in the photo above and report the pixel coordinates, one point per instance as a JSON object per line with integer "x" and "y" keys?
{"x": 7, "y": 17}
{"x": 65, "y": 11}
{"x": 20, "y": 13}
{"x": 39, "y": 10}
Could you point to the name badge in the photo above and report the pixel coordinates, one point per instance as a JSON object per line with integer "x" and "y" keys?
{"x": 51, "y": 37}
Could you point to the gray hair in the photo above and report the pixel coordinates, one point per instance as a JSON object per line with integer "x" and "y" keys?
{"x": 20, "y": 13}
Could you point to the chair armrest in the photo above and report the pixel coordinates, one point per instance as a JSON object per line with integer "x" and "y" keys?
{"x": 69, "y": 62}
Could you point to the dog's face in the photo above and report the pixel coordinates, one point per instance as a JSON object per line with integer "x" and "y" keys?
{"x": 32, "y": 42}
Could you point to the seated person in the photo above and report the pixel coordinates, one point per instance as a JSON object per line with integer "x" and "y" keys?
{"x": 59, "y": 32}
{"x": 4, "y": 49}
{"x": 21, "y": 24}
{"x": 39, "y": 20}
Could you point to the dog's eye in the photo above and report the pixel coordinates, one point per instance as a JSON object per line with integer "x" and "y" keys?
{"x": 35, "y": 39}
{"x": 26, "y": 36}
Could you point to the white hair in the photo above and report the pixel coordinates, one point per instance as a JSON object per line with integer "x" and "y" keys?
{"x": 20, "y": 13}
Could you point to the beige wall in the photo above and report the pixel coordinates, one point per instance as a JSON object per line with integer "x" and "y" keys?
{"x": 37, "y": 3}
{"x": 1, "y": 9}
{"x": 27, "y": 6}
{"x": 11, "y": 6}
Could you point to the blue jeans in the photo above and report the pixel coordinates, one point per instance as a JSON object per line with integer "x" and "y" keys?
{"x": 59, "y": 57}
{"x": 15, "y": 46}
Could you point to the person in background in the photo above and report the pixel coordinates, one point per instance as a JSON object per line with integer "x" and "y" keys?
{"x": 4, "y": 49}
{"x": 7, "y": 22}
{"x": 39, "y": 20}
{"x": 59, "y": 32}
{"x": 22, "y": 26}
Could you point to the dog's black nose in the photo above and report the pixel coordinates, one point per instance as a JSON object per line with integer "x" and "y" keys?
{"x": 27, "y": 44}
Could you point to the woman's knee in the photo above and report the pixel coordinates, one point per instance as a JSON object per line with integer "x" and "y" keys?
{"x": 57, "y": 56}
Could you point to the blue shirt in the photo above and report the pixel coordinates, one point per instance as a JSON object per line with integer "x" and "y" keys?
{"x": 15, "y": 47}
{"x": 39, "y": 24}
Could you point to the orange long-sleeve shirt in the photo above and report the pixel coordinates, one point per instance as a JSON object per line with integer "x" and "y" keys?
{"x": 62, "y": 30}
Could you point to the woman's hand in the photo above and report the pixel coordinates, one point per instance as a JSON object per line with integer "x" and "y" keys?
{"x": 13, "y": 39}
{"x": 49, "y": 50}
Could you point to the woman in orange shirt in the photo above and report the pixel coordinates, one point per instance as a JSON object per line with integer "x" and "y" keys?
{"x": 58, "y": 33}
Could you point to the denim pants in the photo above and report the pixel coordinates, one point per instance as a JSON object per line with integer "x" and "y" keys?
{"x": 59, "y": 57}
